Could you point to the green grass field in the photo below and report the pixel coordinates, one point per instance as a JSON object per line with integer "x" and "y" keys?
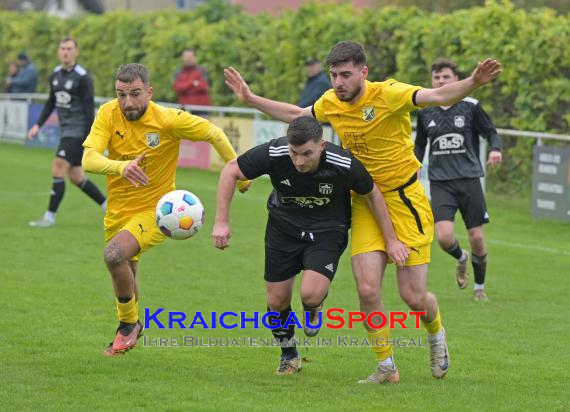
{"x": 58, "y": 315}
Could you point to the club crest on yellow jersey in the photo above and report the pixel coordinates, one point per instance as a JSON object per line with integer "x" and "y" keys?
{"x": 152, "y": 140}
{"x": 368, "y": 113}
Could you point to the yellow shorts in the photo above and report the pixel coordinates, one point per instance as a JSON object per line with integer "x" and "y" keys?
{"x": 411, "y": 216}
{"x": 141, "y": 225}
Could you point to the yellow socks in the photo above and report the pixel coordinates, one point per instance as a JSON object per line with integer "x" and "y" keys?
{"x": 435, "y": 325}
{"x": 128, "y": 312}
{"x": 381, "y": 346}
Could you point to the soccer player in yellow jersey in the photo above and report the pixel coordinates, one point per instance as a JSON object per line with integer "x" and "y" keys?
{"x": 142, "y": 139}
{"x": 372, "y": 120}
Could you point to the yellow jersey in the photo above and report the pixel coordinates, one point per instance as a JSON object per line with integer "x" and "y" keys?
{"x": 157, "y": 133}
{"x": 376, "y": 129}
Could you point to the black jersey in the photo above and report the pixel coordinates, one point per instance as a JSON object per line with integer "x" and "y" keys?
{"x": 312, "y": 202}
{"x": 454, "y": 139}
{"x": 71, "y": 92}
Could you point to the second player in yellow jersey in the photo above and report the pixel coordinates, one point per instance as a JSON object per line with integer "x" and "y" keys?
{"x": 377, "y": 130}
{"x": 373, "y": 121}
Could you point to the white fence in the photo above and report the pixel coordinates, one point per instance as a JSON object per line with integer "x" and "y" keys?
{"x": 244, "y": 126}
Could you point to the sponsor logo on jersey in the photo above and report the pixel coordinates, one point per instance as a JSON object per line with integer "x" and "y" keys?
{"x": 448, "y": 141}
{"x": 152, "y": 139}
{"x": 325, "y": 188}
{"x": 431, "y": 124}
{"x": 286, "y": 182}
{"x": 55, "y": 82}
{"x": 330, "y": 267}
{"x": 309, "y": 202}
{"x": 459, "y": 121}
{"x": 62, "y": 98}
{"x": 368, "y": 113}
{"x": 68, "y": 84}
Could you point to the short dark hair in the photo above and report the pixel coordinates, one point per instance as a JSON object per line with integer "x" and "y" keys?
{"x": 302, "y": 129}
{"x": 65, "y": 39}
{"x": 128, "y": 73}
{"x": 441, "y": 63}
{"x": 311, "y": 61}
{"x": 347, "y": 51}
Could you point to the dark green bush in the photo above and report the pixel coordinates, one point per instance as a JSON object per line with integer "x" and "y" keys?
{"x": 533, "y": 93}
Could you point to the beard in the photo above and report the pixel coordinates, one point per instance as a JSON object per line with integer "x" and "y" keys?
{"x": 348, "y": 97}
{"x": 133, "y": 115}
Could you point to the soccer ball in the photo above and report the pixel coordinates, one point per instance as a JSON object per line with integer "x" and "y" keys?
{"x": 179, "y": 214}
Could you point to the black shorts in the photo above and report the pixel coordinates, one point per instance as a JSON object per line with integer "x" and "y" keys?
{"x": 464, "y": 194}
{"x": 70, "y": 149}
{"x": 287, "y": 252}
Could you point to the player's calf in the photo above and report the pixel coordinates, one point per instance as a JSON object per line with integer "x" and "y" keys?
{"x": 461, "y": 273}
{"x": 312, "y": 318}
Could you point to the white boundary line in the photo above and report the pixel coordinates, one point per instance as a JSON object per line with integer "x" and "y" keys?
{"x": 526, "y": 246}
{"x": 530, "y": 247}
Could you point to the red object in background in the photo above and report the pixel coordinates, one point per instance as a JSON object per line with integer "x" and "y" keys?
{"x": 191, "y": 86}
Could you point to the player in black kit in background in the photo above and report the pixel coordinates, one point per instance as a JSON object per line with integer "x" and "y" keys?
{"x": 309, "y": 218}
{"x": 454, "y": 172}
{"x": 71, "y": 92}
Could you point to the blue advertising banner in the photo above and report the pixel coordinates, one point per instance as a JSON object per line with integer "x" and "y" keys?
{"x": 48, "y": 135}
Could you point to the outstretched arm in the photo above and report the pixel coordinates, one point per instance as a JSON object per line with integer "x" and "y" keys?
{"x": 230, "y": 174}
{"x": 278, "y": 110}
{"x": 396, "y": 250}
{"x": 453, "y": 92}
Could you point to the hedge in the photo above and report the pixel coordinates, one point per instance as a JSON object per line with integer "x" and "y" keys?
{"x": 533, "y": 93}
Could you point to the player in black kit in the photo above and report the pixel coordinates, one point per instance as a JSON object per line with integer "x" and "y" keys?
{"x": 454, "y": 172}
{"x": 309, "y": 218}
{"x": 71, "y": 92}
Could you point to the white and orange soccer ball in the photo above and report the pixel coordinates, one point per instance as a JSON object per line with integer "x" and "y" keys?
{"x": 179, "y": 214}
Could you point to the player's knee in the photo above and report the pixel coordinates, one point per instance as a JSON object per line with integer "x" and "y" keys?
{"x": 446, "y": 242}
{"x": 113, "y": 255}
{"x": 59, "y": 167}
{"x": 477, "y": 240}
{"x": 312, "y": 298}
{"x": 76, "y": 180}
{"x": 413, "y": 299}
{"x": 368, "y": 293}
{"x": 278, "y": 302}
{"x": 77, "y": 176}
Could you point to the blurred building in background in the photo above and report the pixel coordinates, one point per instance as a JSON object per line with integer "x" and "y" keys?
{"x": 62, "y": 8}
{"x": 67, "y": 8}
{"x": 278, "y": 6}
